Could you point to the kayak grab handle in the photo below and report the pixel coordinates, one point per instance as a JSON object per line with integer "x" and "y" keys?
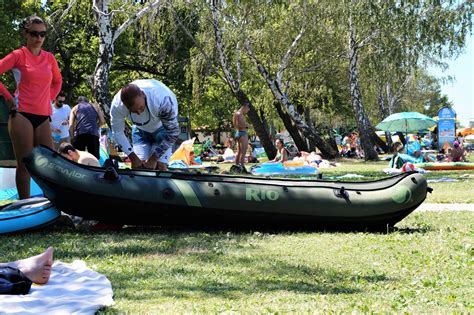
{"x": 429, "y": 189}
{"x": 341, "y": 193}
{"x": 111, "y": 174}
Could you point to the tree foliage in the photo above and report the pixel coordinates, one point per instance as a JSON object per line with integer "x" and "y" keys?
{"x": 303, "y": 46}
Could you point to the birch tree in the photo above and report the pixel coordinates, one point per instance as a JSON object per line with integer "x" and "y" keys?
{"x": 108, "y": 36}
{"x": 275, "y": 85}
{"x": 404, "y": 32}
{"x": 234, "y": 82}
{"x": 275, "y": 82}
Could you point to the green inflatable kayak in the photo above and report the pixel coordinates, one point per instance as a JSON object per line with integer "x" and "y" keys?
{"x": 175, "y": 198}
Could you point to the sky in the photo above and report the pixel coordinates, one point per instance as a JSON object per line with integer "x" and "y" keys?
{"x": 461, "y": 91}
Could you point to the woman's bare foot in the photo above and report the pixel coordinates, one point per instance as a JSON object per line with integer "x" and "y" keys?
{"x": 37, "y": 268}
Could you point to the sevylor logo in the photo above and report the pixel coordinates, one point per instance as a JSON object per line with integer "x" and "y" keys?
{"x": 253, "y": 194}
{"x": 43, "y": 162}
{"x": 65, "y": 171}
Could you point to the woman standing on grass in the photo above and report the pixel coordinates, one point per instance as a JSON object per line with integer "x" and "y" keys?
{"x": 38, "y": 82}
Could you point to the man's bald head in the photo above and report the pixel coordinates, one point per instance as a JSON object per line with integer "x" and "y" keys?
{"x": 133, "y": 98}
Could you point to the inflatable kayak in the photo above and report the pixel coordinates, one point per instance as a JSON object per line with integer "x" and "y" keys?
{"x": 176, "y": 198}
{"x": 283, "y": 169}
{"x": 27, "y": 214}
{"x": 445, "y": 166}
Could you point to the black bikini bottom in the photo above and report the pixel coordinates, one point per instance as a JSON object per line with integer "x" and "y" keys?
{"x": 34, "y": 119}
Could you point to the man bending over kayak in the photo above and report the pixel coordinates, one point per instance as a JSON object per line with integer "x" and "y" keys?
{"x": 153, "y": 110}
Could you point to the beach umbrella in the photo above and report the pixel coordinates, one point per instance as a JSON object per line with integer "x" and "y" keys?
{"x": 407, "y": 122}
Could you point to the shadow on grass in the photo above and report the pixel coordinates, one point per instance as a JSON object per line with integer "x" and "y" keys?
{"x": 155, "y": 264}
{"x": 409, "y": 230}
{"x": 421, "y": 229}
{"x": 254, "y": 278}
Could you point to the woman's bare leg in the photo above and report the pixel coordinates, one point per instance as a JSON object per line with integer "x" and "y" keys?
{"x": 21, "y": 134}
{"x": 42, "y": 135}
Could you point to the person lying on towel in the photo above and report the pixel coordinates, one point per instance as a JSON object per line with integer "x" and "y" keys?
{"x": 16, "y": 277}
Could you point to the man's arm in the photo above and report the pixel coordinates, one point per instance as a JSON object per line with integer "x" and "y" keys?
{"x": 117, "y": 123}
{"x": 168, "y": 114}
{"x": 100, "y": 113}
{"x": 57, "y": 81}
{"x": 234, "y": 121}
{"x": 72, "y": 121}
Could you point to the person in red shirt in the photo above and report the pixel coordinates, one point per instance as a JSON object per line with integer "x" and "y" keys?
{"x": 38, "y": 80}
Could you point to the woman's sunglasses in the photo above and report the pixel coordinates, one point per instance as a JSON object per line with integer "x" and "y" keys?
{"x": 37, "y": 34}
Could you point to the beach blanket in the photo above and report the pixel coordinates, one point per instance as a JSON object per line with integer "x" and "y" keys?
{"x": 72, "y": 289}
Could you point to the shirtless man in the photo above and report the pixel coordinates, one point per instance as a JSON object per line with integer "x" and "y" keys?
{"x": 81, "y": 157}
{"x": 241, "y": 133}
{"x": 36, "y": 269}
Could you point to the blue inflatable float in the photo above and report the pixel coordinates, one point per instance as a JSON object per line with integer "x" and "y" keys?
{"x": 27, "y": 214}
{"x": 8, "y": 189}
{"x": 280, "y": 169}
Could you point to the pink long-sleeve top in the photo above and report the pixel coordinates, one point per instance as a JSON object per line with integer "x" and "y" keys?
{"x": 38, "y": 80}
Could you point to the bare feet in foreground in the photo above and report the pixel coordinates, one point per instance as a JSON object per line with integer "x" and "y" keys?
{"x": 37, "y": 268}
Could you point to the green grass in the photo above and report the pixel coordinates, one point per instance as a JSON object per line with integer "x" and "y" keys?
{"x": 425, "y": 267}
{"x": 454, "y": 192}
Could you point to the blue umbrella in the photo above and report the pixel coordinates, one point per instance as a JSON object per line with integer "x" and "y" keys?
{"x": 406, "y": 121}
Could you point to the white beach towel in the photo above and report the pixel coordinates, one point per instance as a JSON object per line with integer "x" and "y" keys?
{"x": 72, "y": 289}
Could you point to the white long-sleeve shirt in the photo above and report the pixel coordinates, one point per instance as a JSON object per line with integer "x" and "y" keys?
{"x": 163, "y": 111}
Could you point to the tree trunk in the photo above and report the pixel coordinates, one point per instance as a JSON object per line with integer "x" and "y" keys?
{"x": 104, "y": 59}
{"x": 257, "y": 124}
{"x": 383, "y": 115}
{"x": 307, "y": 117}
{"x": 107, "y": 38}
{"x": 363, "y": 123}
{"x": 313, "y": 136}
{"x": 234, "y": 85}
{"x": 292, "y": 130}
